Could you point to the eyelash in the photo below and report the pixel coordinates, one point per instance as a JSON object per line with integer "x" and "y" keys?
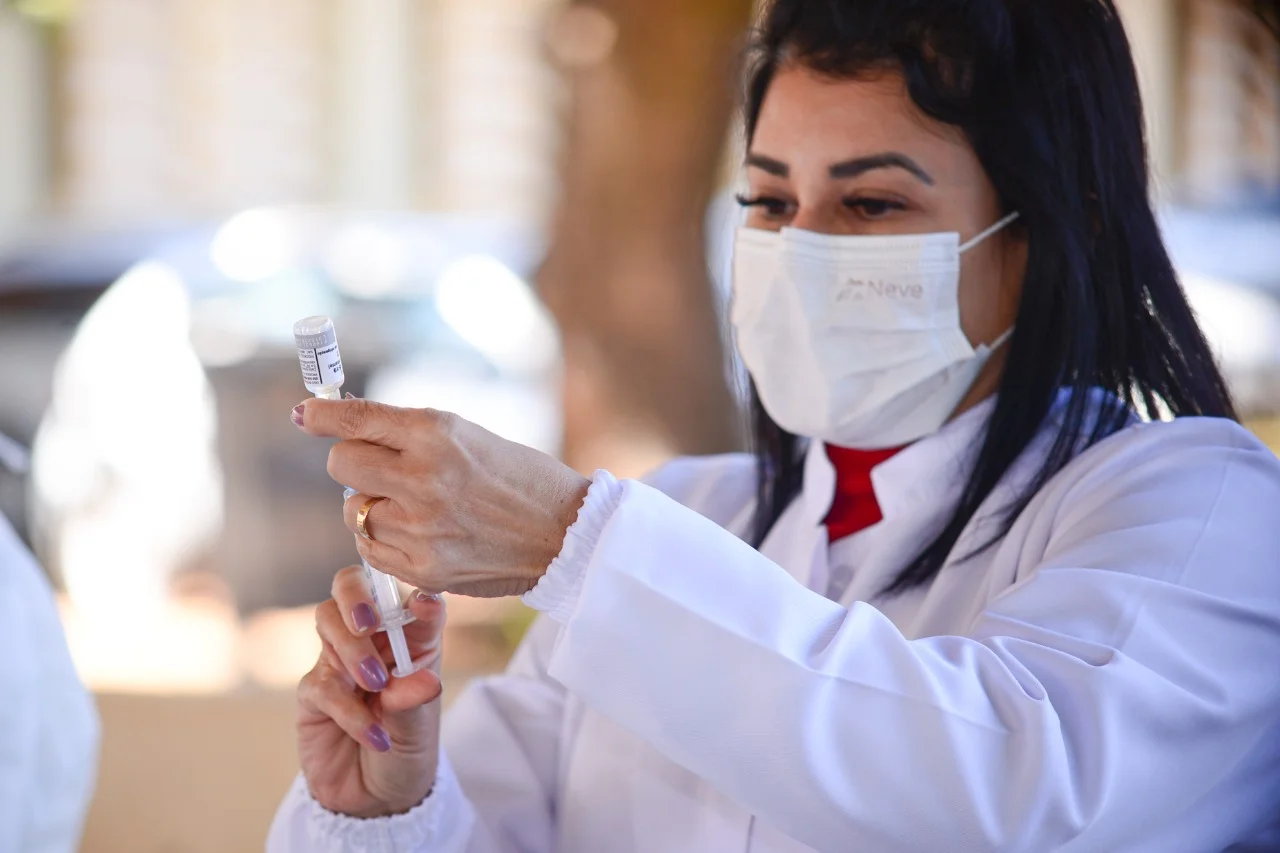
{"x": 771, "y": 206}
{"x": 777, "y": 207}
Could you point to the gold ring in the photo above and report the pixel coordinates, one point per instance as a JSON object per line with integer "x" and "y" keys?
{"x": 362, "y": 517}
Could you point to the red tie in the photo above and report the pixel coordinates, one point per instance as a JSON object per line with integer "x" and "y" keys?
{"x": 854, "y": 507}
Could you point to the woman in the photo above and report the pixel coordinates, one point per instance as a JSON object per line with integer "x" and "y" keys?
{"x": 966, "y": 596}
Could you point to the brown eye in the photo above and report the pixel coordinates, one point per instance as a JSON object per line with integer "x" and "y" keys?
{"x": 873, "y": 208}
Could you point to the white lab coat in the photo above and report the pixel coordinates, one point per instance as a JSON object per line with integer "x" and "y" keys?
{"x": 48, "y": 724}
{"x": 1105, "y": 678}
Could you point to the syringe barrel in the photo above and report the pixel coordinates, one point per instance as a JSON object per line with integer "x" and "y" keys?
{"x": 385, "y": 589}
{"x": 386, "y": 595}
{"x": 322, "y": 373}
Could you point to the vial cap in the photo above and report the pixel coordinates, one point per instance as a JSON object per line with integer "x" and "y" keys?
{"x": 314, "y": 332}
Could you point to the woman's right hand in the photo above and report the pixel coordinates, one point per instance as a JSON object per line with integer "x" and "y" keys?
{"x": 368, "y": 743}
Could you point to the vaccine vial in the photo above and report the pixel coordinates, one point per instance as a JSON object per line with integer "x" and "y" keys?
{"x": 318, "y": 354}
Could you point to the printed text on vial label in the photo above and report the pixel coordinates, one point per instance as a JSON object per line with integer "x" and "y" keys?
{"x": 321, "y": 366}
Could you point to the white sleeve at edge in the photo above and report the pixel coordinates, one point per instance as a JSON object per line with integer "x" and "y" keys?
{"x": 558, "y": 592}
{"x": 442, "y": 823}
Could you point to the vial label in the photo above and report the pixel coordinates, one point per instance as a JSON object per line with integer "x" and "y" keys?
{"x": 322, "y": 366}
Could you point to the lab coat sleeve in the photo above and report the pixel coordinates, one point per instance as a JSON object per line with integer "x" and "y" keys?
{"x": 48, "y": 723}
{"x": 442, "y": 822}
{"x": 1138, "y": 643}
{"x": 494, "y": 788}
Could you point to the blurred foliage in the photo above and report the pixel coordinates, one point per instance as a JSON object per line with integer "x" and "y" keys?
{"x": 45, "y": 11}
{"x": 516, "y": 624}
{"x": 1268, "y": 430}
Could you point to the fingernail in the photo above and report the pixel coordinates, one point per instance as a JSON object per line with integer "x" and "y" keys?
{"x": 375, "y": 674}
{"x": 426, "y": 596}
{"x": 349, "y": 396}
{"x": 296, "y": 415}
{"x": 364, "y": 617}
{"x": 378, "y": 738}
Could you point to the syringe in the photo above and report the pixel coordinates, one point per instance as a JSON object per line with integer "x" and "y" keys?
{"x": 322, "y": 374}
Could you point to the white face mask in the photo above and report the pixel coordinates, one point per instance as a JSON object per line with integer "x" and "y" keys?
{"x": 855, "y": 340}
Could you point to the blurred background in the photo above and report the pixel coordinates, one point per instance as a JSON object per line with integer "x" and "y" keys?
{"x": 180, "y": 180}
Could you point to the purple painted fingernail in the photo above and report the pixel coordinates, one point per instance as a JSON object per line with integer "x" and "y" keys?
{"x": 375, "y": 674}
{"x": 296, "y": 415}
{"x": 364, "y": 617}
{"x": 378, "y": 738}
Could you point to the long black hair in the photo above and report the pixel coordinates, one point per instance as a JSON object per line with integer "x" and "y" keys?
{"x": 1046, "y": 93}
{"x": 1267, "y": 11}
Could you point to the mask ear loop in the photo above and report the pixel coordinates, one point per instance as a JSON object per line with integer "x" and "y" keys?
{"x": 999, "y": 226}
{"x": 1003, "y": 223}
{"x": 1002, "y": 340}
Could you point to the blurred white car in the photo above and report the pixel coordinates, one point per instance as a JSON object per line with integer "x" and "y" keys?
{"x": 1229, "y": 263}
{"x": 167, "y": 445}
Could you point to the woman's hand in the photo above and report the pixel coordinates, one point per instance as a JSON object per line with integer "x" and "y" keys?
{"x": 369, "y": 744}
{"x": 465, "y": 511}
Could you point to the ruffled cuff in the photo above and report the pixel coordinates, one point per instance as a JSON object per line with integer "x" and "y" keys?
{"x": 557, "y": 593}
{"x": 441, "y": 823}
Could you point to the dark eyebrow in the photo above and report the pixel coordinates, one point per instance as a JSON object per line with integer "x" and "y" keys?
{"x": 848, "y": 168}
{"x": 887, "y": 160}
{"x": 768, "y": 164}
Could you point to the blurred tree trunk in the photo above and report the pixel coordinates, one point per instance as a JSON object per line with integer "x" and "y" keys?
{"x": 626, "y": 276}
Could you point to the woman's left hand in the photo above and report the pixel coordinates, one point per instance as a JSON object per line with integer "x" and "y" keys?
{"x": 464, "y": 510}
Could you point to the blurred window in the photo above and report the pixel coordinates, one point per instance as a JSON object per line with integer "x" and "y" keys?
{"x": 1230, "y": 140}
